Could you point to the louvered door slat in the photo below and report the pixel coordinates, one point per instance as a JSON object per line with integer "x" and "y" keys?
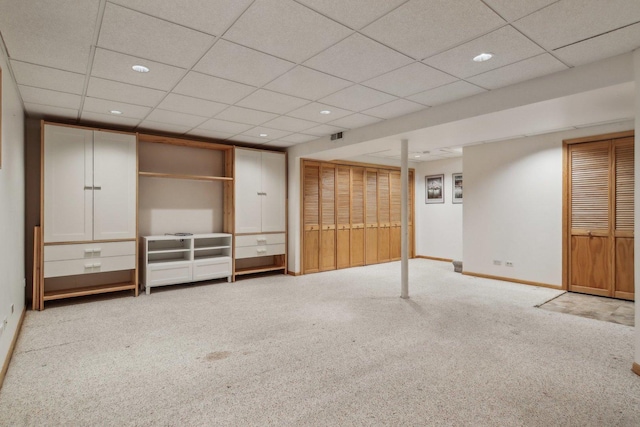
{"x": 590, "y": 188}
{"x": 311, "y": 195}
{"x": 624, "y": 185}
{"x": 396, "y": 196}
{"x": 372, "y": 197}
{"x": 384, "y": 215}
{"x": 328, "y": 196}
{"x": 344, "y": 196}
{"x": 357, "y": 189}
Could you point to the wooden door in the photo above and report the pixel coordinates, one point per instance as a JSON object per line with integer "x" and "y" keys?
{"x": 384, "y": 216}
{"x": 601, "y": 218}
{"x": 371, "y": 218}
{"x": 274, "y": 188}
{"x": 248, "y": 189}
{"x": 357, "y": 216}
{"x": 115, "y": 186}
{"x": 343, "y": 215}
{"x": 68, "y": 184}
{"x": 327, "y": 217}
{"x": 395, "y": 235}
{"x": 311, "y": 215}
{"x": 411, "y": 211}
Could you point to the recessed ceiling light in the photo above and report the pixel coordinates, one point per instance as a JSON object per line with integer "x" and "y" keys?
{"x": 117, "y": 112}
{"x": 325, "y": 112}
{"x": 140, "y": 68}
{"x": 416, "y": 156}
{"x": 263, "y": 135}
{"x": 483, "y": 57}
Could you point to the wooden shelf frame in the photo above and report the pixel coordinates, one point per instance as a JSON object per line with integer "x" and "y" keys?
{"x": 89, "y": 290}
{"x": 184, "y": 176}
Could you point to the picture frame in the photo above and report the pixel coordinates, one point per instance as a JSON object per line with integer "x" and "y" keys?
{"x": 456, "y": 188}
{"x": 434, "y": 188}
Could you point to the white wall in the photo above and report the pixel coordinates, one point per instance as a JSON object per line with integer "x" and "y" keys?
{"x": 438, "y": 226}
{"x": 12, "y": 211}
{"x": 513, "y": 205}
{"x": 636, "y": 62}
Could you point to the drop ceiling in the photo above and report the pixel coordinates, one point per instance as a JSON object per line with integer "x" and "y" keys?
{"x": 237, "y": 70}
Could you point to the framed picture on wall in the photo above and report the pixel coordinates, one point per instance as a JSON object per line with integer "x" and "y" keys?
{"x": 457, "y": 188}
{"x": 434, "y": 188}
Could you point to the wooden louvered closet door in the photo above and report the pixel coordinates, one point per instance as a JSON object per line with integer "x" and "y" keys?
{"x": 371, "y": 217}
{"x": 601, "y": 218}
{"x": 384, "y": 216}
{"x": 357, "y": 216}
{"x": 328, "y": 217}
{"x": 343, "y": 215}
{"x": 311, "y": 215}
{"x": 395, "y": 235}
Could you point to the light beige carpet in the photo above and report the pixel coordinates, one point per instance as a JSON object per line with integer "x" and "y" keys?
{"x": 328, "y": 349}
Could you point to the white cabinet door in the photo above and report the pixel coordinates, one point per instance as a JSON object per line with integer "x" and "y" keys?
{"x": 273, "y": 192}
{"x": 68, "y": 182}
{"x": 248, "y": 191}
{"x": 114, "y": 182}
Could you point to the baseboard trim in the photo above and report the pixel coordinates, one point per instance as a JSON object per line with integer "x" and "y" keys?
{"x": 293, "y": 273}
{"x": 636, "y": 368}
{"x": 5, "y": 366}
{"x": 434, "y": 258}
{"x": 509, "y": 279}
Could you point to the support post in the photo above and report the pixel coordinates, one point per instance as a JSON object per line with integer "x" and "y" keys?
{"x": 404, "y": 214}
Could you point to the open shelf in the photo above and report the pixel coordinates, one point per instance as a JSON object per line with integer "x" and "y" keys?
{"x": 209, "y": 256}
{"x": 165, "y": 251}
{"x": 261, "y": 269}
{"x": 88, "y": 290}
{"x": 185, "y": 176}
{"x": 204, "y": 248}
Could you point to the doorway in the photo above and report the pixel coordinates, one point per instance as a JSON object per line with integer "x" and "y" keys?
{"x": 599, "y": 215}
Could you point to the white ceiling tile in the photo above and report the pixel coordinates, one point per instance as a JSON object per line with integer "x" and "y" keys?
{"x": 49, "y": 111}
{"x": 298, "y": 138}
{"x": 212, "y": 88}
{"x": 249, "y": 139}
{"x": 47, "y": 78}
{"x": 355, "y": 121}
{"x": 290, "y": 123}
{"x": 54, "y": 34}
{"x": 52, "y": 98}
{"x": 604, "y": 46}
{"x": 234, "y": 62}
{"x": 285, "y": 29}
{"x": 408, "y": 80}
{"x": 516, "y": 9}
{"x": 446, "y": 93}
{"x": 421, "y": 28}
{"x": 307, "y": 83}
{"x": 137, "y": 34}
{"x": 357, "y": 58}
{"x": 518, "y": 72}
{"x": 245, "y": 115}
{"x": 224, "y": 126}
{"x": 205, "y": 133}
{"x": 123, "y": 92}
{"x": 193, "y": 106}
{"x": 209, "y": 16}
{"x": 280, "y": 144}
{"x": 117, "y": 66}
{"x": 271, "y": 133}
{"x": 175, "y": 118}
{"x": 97, "y": 118}
{"x": 353, "y": 13}
{"x": 266, "y": 100}
{"x": 570, "y": 21}
{"x": 151, "y": 126}
{"x": 396, "y": 108}
{"x": 357, "y": 98}
{"x": 506, "y": 44}
{"x": 312, "y": 112}
{"x": 103, "y": 106}
{"x": 323, "y": 130}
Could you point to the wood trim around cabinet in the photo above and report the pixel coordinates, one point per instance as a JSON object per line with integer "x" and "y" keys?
{"x": 434, "y": 258}
{"x": 142, "y": 137}
{"x": 293, "y": 273}
{"x": 89, "y": 242}
{"x": 635, "y": 369}
{"x": 510, "y": 279}
{"x": 92, "y": 128}
{"x": 5, "y": 365}
{"x": 605, "y": 137}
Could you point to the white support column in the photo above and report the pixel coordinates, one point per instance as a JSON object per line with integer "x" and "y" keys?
{"x": 636, "y": 251}
{"x": 404, "y": 214}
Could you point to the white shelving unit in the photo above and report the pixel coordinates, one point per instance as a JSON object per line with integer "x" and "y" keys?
{"x": 170, "y": 259}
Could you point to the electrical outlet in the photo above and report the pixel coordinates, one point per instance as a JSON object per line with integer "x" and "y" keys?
{"x": 508, "y": 263}
{"x": 497, "y": 262}
{"x": 11, "y": 308}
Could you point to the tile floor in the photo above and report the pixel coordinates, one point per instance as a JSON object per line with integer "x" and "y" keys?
{"x": 593, "y": 307}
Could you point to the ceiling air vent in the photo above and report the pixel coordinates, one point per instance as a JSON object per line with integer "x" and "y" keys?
{"x": 336, "y": 136}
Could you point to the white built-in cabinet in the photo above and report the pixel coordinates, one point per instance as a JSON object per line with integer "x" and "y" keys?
{"x": 88, "y": 217}
{"x": 260, "y": 210}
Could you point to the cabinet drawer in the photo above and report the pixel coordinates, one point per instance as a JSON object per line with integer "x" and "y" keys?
{"x": 260, "y": 239}
{"x": 213, "y": 268}
{"x": 256, "y": 251}
{"x": 88, "y": 250}
{"x": 87, "y": 266}
{"x": 168, "y": 273}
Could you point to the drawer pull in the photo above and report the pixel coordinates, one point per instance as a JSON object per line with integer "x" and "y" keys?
{"x": 97, "y": 250}
{"x": 88, "y": 251}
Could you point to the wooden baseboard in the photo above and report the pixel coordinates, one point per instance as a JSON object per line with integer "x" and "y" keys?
{"x": 5, "y": 366}
{"x": 509, "y": 279}
{"x": 636, "y": 368}
{"x": 434, "y": 258}
{"x": 293, "y": 273}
